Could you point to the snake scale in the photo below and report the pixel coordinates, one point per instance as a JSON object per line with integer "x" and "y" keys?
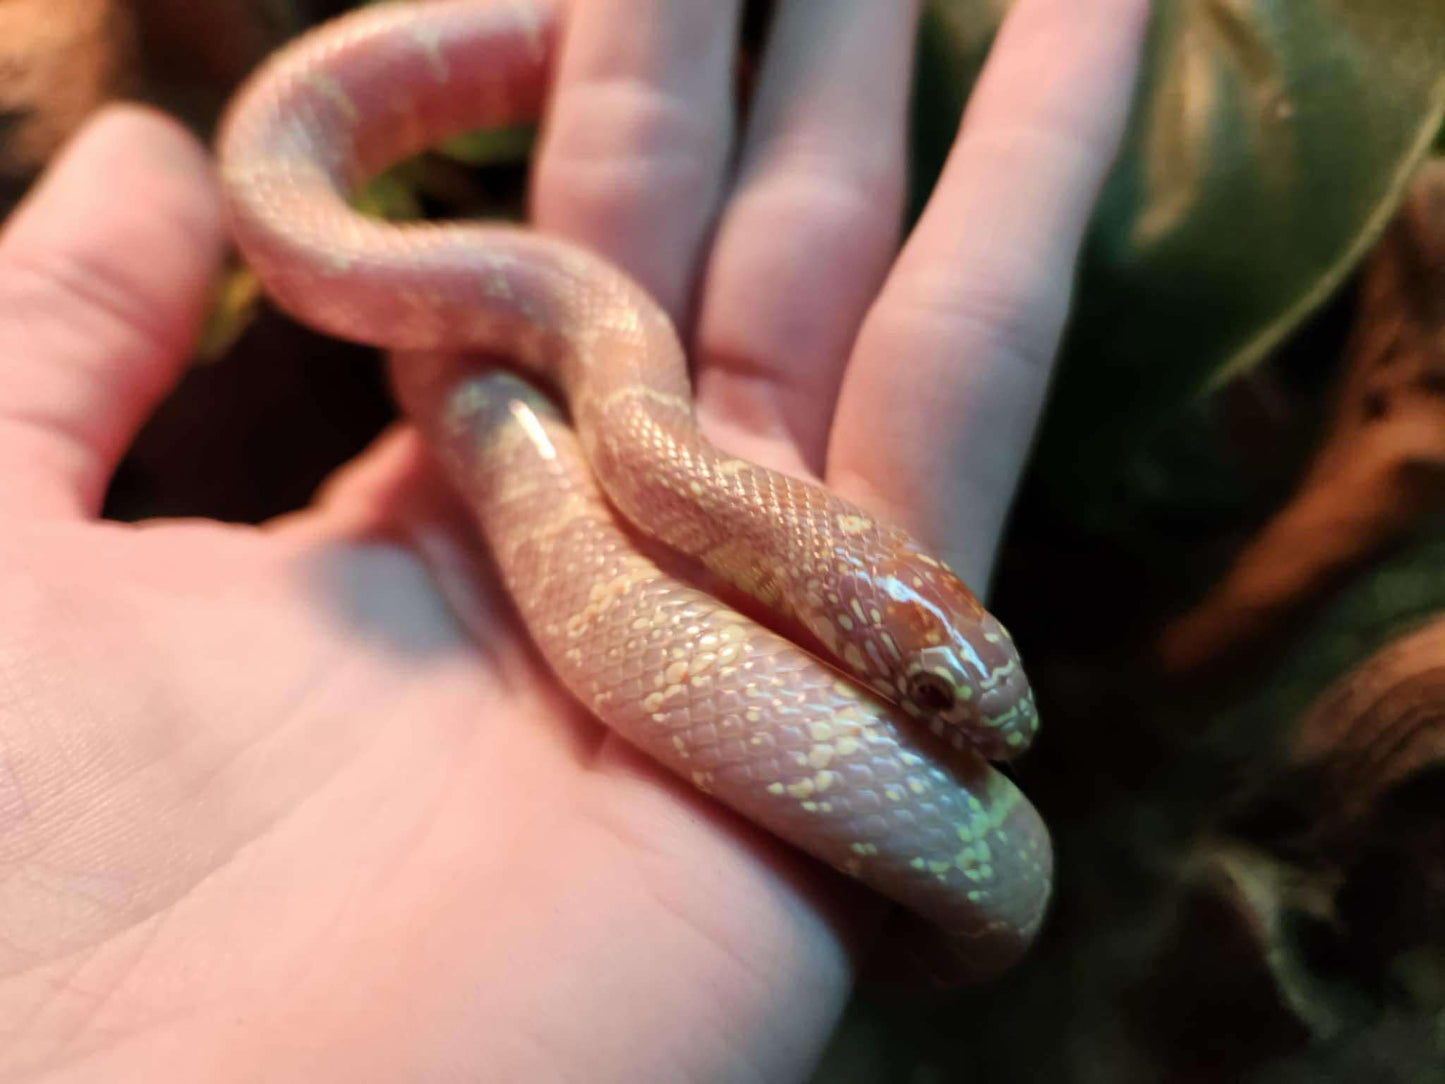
{"x": 896, "y": 792}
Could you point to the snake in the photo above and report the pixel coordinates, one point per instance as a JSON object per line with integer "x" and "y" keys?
{"x": 864, "y": 732}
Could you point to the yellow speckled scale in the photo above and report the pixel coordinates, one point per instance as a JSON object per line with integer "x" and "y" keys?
{"x": 741, "y": 713}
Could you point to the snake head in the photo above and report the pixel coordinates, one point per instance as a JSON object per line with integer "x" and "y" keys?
{"x": 909, "y": 628}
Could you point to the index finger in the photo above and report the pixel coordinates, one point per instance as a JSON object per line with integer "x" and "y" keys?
{"x": 943, "y": 392}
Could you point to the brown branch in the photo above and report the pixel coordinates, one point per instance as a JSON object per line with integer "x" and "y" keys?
{"x": 1380, "y": 468}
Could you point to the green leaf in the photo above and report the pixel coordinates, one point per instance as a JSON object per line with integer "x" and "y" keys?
{"x": 1271, "y": 142}
{"x": 235, "y": 300}
{"x": 391, "y": 195}
{"x": 497, "y": 146}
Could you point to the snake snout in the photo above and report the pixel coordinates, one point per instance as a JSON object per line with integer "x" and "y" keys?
{"x": 1007, "y": 719}
{"x": 957, "y": 669}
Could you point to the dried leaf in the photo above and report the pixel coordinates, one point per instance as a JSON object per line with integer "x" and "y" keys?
{"x": 1379, "y": 471}
{"x": 59, "y": 61}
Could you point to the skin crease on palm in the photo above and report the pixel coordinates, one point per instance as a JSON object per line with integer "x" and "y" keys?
{"x": 298, "y": 801}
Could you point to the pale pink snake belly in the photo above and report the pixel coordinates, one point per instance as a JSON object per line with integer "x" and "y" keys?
{"x": 898, "y": 795}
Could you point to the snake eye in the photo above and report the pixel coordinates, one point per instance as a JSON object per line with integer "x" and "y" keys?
{"x": 931, "y": 692}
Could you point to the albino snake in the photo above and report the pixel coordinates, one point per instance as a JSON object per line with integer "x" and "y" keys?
{"x": 898, "y": 795}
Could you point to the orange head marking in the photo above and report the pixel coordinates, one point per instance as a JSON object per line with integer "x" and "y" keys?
{"x": 911, "y": 629}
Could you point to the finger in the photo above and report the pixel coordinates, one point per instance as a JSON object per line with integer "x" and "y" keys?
{"x": 105, "y": 272}
{"x": 638, "y": 133}
{"x": 363, "y": 493}
{"x": 942, "y": 395}
{"x": 813, "y": 222}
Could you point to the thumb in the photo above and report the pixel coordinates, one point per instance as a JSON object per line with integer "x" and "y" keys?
{"x": 105, "y": 272}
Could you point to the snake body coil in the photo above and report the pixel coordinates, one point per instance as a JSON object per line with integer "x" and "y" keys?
{"x": 909, "y": 806}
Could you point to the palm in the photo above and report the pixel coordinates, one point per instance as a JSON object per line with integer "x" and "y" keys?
{"x": 290, "y": 744}
{"x": 301, "y": 797}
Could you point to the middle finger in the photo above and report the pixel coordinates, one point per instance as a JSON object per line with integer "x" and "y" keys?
{"x": 813, "y": 221}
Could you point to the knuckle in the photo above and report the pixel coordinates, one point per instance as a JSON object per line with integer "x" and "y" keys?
{"x": 839, "y": 186}
{"x": 622, "y": 138}
{"x": 834, "y": 211}
{"x": 1013, "y": 326}
{"x": 45, "y": 294}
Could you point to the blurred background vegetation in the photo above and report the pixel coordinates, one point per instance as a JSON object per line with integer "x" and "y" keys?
{"x": 1227, "y": 567}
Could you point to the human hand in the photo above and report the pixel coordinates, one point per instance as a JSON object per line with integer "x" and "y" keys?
{"x": 298, "y": 800}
